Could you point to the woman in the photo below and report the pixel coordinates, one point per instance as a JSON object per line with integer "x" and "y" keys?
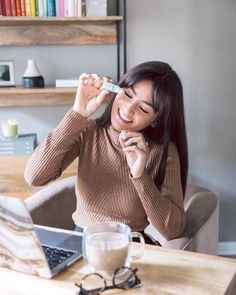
{"x": 136, "y": 178}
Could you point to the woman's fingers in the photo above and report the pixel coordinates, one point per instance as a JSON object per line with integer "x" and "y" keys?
{"x": 89, "y": 95}
{"x": 133, "y": 139}
{"x": 139, "y": 142}
{"x": 89, "y": 79}
{"x": 94, "y": 79}
{"x": 83, "y": 79}
{"x": 135, "y": 148}
{"x": 84, "y": 76}
{"x": 102, "y": 97}
{"x": 127, "y": 134}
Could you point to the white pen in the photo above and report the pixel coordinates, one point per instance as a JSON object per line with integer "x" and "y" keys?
{"x": 112, "y": 87}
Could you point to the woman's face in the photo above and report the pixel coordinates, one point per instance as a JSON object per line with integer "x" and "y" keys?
{"x": 133, "y": 109}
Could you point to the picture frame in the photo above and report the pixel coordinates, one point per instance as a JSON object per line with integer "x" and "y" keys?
{"x": 7, "y": 75}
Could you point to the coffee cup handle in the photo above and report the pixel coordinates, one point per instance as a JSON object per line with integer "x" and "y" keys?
{"x": 140, "y": 252}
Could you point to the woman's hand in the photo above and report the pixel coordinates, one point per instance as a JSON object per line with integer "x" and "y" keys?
{"x": 90, "y": 96}
{"x": 136, "y": 150}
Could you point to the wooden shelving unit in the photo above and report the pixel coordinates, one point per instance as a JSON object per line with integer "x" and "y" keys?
{"x": 53, "y": 31}
{"x": 17, "y": 96}
{"x": 58, "y": 30}
{"x": 23, "y": 31}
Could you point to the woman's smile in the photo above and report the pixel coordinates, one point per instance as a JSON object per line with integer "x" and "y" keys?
{"x": 133, "y": 108}
{"x": 123, "y": 117}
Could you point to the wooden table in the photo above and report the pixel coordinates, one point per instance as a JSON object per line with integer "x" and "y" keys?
{"x": 162, "y": 271}
{"x": 12, "y": 180}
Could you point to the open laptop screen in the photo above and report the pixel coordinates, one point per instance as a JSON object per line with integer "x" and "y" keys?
{"x": 19, "y": 246}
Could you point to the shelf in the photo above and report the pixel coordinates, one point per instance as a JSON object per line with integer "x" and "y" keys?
{"x": 22, "y": 20}
{"x": 17, "y": 96}
{"x": 57, "y": 30}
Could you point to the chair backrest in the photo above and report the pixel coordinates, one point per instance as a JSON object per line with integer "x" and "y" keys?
{"x": 54, "y": 204}
{"x": 199, "y": 205}
{"x": 202, "y": 220}
{"x": 202, "y": 223}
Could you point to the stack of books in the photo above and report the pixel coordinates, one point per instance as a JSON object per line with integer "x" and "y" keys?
{"x": 65, "y": 8}
{"x": 23, "y": 144}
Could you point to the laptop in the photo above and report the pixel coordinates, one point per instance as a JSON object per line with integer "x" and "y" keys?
{"x": 32, "y": 249}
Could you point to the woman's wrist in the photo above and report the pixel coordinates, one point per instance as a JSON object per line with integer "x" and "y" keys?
{"x": 76, "y": 109}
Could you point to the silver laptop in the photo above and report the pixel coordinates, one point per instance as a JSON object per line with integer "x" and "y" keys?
{"x": 32, "y": 249}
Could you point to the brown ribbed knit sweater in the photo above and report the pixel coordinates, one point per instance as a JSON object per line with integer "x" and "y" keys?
{"x": 105, "y": 190}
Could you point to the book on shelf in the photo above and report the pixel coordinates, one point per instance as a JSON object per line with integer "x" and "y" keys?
{"x": 22, "y": 144}
{"x": 16, "y": 151}
{"x": 13, "y": 7}
{"x": 71, "y": 8}
{"x": 32, "y": 8}
{"x": 27, "y": 8}
{"x": 51, "y": 8}
{"x": 57, "y": 7}
{"x": 26, "y": 137}
{"x": 77, "y": 7}
{"x": 18, "y": 8}
{"x": 83, "y": 8}
{"x": 61, "y": 8}
{"x": 67, "y": 82}
{"x": 67, "y": 8}
{"x": 45, "y": 7}
{"x": 39, "y": 9}
{"x": 6, "y": 7}
{"x": 96, "y": 8}
{"x": 23, "y": 12}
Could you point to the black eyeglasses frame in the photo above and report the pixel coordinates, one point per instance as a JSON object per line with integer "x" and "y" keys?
{"x": 125, "y": 285}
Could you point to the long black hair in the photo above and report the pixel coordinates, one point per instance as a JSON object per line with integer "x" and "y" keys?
{"x": 168, "y": 103}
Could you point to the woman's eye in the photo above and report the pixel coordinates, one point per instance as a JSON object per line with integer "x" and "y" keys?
{"x": 143, "y": 110}
{"x": 127, "y": 94}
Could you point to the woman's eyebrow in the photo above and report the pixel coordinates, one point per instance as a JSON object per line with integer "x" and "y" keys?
{"x": 133, "y": 90}
{"x": 143, "y": 101}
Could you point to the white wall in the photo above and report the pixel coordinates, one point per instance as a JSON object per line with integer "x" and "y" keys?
{"x": 198, "y": 39}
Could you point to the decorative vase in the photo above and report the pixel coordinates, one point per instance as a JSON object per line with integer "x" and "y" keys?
{"x": 32, "y": 77}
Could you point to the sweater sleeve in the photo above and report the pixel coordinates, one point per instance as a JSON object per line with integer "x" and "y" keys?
{"x": 165, "y": 208}
{"x": 57, "y": 151}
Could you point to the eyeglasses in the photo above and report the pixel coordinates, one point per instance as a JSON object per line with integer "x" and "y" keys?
{"x": 94, "y": 283}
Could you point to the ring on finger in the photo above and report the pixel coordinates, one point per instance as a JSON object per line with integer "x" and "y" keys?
{"x": 144, "y": 145}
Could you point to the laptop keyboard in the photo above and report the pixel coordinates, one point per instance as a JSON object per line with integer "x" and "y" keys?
{"x": 56, "y": 256}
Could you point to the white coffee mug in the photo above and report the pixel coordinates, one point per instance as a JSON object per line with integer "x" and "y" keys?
{"x": 108, "y": 246}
